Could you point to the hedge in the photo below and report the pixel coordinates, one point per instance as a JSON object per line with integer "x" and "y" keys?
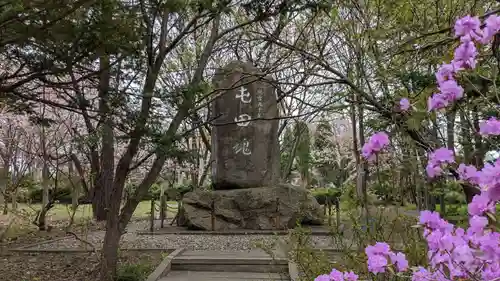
{"x": 323, "y": 194}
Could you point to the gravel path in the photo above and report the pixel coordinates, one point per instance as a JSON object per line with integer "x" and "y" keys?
{"x": 191, "y": 242}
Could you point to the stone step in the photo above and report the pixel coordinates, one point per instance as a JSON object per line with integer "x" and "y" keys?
{"x": 223, "y": 276}
{"x": 251, "y": 261}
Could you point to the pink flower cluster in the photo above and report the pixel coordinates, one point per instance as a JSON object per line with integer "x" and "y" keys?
{"x": 375, "y": 144}
{"x": 379, "y": 256}
{"x": 488, "y": 178}
{"x": 468, "y": 29}
{"x": 490, "y": 127}
{"x": 453, "y": 252}
{"x": 404, "y": 104}
{"x": 437, "y": 159}
{"x": 481, "y": 205}
{"x": 469, "y": 254}
{"x": 336, "y": 275}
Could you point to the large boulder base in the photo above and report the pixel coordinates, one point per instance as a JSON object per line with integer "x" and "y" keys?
{"x": 251, "y": 208}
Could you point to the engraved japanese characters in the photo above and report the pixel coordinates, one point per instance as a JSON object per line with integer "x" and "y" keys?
{"x": 245, "y": 148}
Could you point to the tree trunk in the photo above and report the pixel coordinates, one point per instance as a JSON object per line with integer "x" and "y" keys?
{"x": 109, "y": 257}
{"x": 450, "y": 143}
{"x": 101, "y": 199}
{"x": 469, "y": 156}
{"x": 114, "y": 229}
{"x": 3, "y": 189}
{"x": 163, "y": 204}
{"x": 45, "y": 183}
{"x": 75, "y": 191}
{"x": 13, "y": 197}
{"x": 116, "y": 222}
{"x": 363, "y": 178}
{"x": 99, "y": 204}
{"x": 479, "y": 148}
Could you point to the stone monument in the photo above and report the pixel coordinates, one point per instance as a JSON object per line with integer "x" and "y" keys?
{"x": 245, "y": 148}
{"x": 246, "y": 161}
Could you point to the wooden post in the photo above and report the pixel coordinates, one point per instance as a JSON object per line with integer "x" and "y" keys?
{"x": 212, "y": 207}
{"x": 162, "y": 205}
{"x": 329, "y": 212}
{"x": 166, "y": 210}
{"x": 337, "y": 211}
{"x": 277, "y": 220}
{"x": 152, "y": 216}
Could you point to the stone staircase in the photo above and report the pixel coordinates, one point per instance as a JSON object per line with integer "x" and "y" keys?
{"x": 254, "y": 265}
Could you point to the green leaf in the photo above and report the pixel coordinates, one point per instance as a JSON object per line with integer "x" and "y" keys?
{"x": 334, "y": 13}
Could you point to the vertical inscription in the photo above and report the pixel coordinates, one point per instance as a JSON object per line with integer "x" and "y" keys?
{"x": 242, "y": 147}
{"x": 244, "y": 95}
{"x": 243, "y": 120}
{"x": 260, "y": 94}
{"x": 245, "y": 152}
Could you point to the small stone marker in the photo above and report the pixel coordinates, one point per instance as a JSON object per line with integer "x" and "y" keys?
{"x": 245, "y": 148}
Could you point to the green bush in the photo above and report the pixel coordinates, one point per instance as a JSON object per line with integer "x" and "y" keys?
{"x": 322, "y": 194}
{"x": 176, "y": 192}
{"x": 62, "y": 195}
{"x": 454, "y": 197}
{"x": 133, "y": 272}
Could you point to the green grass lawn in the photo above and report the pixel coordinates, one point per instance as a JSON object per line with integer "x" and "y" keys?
{"x": 62, "y": 212}
{"x": 455, "y": 213}
{"x": 59, "y": 216}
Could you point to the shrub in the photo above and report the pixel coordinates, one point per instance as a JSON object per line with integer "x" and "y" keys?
{"x": 349, "y": 240}
{"x": 454, "y": 197}
{"x": 176, "y": 192}
{"x": 322, "y": 195}
{"x": 133, "y": 272}
{"x": 62, "y": 195}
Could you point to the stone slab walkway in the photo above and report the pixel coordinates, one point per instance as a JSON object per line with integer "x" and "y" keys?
{"x": 222, "y": 276}
{"x": 212, "y": 265}
{"x": 254, "y": 254}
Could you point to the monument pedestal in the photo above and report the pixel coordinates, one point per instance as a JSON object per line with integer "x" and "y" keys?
{"x": 278, "y": 207}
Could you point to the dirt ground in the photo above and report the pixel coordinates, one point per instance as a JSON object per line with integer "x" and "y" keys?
{"x": 70, "y": 266}
{"x": 24, "y": 266}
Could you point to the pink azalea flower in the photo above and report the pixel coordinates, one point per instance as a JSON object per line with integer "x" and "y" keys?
{"x": 400, "y": 261}
{"x": 465, "y": 56}
{"x": 380, "y": 248}
{"x": 481, "y": 204}
{"x": 477, "y": 224}
{"x": 445, "y": 72}
{"x": 437, "y": 101}
{"x": 468, "y": 28}
{"x": 375, "y": 144}
{"x": 404, "y": 104}
{"x": 442, "y": 155}
{"x": 451, "y": 90}
{"x": 492, "y": 27}
{"x": 336, "y": 275}
{"x": 377, "y": 263}
{"x": 350, "y": 276}
{"x": 468, "y": 173}
{"x": 490, "y": 127}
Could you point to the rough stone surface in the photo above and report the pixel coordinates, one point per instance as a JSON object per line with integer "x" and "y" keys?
{"x": 251, "y": 208}
{"x": 245, "y": 148}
